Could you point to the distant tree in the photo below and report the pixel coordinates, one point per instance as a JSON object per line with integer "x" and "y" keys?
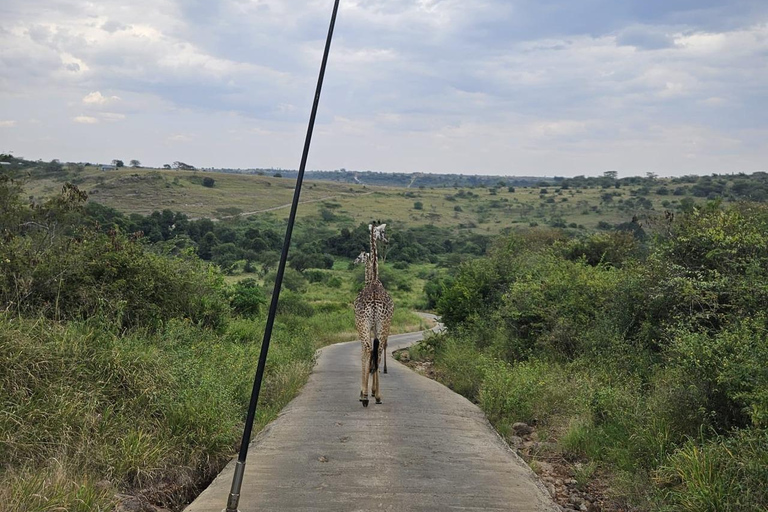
{"x": 183, "y": 166}
{"x": 135, "y": 163}
{"x": 54, "y": 165}
{"x": 166, "y": 166}
{"x": 611, "y": 174}
{"x": 208, "y": 182}
{"x": 118, "y": 163}
{"x": 278, "y": 175}
{"x": 418, "y": 205}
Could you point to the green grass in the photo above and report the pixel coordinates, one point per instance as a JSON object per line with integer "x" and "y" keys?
{"x": 88, "y": 412}
{"x": 147, "y": 190}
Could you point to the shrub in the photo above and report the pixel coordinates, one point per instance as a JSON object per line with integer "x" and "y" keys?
{"x": 247, "y": 298}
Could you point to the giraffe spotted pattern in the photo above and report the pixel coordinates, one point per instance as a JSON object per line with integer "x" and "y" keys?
{"x": 373, "y": 316}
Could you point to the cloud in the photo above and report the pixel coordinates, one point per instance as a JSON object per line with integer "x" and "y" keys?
{"x": 85, "y": 120}
{"x": 112, "y": 26}
{"x": 180, "y": 137}
{"x": 112, "y": 116}
{"x": 96, "y": 98}
{"x": 7, "y": 124}
{"x": 646, "y": 37}
{"x": 550, "y": 84}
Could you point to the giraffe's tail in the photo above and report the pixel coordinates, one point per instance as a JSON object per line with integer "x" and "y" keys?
{"x": 375, "y": 355}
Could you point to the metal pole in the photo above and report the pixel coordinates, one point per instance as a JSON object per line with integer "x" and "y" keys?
{"x": 237, "y": 480}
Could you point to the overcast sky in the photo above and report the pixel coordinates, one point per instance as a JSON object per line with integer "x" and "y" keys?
{"x": 513, "y": 87}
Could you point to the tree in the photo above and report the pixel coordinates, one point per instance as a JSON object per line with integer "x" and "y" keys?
{"x": 118, "y": 163}
{"x": 208, "y": 182}
{"x": 166, "y": 166}
{"x": 135, "y": 163}
{"x": 183, "y": 166}
{"x": 418, "y": 205}
{"x": 611, "y": 174}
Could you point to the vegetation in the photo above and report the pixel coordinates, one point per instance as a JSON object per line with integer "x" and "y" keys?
{"x": 629, "y": 323}
{"x": 646, "y": 357}
{"x": 112, "y": 350}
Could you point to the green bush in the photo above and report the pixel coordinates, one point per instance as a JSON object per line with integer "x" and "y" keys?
{"x": 247, "y": 298}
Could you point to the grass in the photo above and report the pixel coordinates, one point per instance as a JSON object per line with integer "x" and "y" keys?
{"x": 478, "y": 210}
{"x": 151, "y": 414}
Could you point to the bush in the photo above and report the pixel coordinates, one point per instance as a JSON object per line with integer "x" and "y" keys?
{"x": 247, "y": 298}
{"x": 294, "y": 304}
{"x": 209, "y": 182}
{"x": 293, "y": 280}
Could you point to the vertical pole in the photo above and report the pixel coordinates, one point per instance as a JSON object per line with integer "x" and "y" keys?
{"x": 237, "y": 480}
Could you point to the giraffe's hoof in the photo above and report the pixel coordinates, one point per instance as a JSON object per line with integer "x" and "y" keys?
{"x": 385, "y": 370}
{"x": 365, "y": 402}
{"x": 378, "y": 400}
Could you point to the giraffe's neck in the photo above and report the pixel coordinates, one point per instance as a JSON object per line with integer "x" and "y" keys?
{"x": 374, "y": 257}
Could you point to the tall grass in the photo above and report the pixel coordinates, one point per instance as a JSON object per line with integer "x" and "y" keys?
{"x": 88, "y": 412}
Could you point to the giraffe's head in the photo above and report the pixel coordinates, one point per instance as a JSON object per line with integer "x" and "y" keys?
{"x": 377, "y": 232}
{"x": 362, "y": 258}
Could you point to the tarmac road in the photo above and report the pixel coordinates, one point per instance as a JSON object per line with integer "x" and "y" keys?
{"x": 425, "y": 448}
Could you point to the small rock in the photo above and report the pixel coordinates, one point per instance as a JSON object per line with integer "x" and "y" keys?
{"x": 552, "y": 490}
{"x": 323, "y": 458}
{"x": 571, "y": 481}
{"x": 405, "y": 356}
{"x": 516, "y": 441}
{"x": 522, "y": 429}
{"x": 583, "y": 507}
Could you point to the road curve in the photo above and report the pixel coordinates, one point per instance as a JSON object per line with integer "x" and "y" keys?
{"x": 425, "y": 448}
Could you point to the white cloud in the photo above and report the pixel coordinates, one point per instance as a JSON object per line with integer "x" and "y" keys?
{"x": 180, "y": 137}
{"x": 7, "y": 124}
{"x": 85, "y": 120}
{"x": 431, "y": 85}
{"x": 112, "y": 116}
{"x": 96, "y": 98}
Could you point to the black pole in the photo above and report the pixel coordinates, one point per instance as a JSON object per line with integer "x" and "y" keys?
{"x": 237, "y": 480}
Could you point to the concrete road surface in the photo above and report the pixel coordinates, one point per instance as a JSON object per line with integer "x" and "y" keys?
{"x": 424, "y": 448}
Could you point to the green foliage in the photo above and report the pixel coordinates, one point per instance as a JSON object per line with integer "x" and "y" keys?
{"x": 247, "y": 298}
{"x": 632, "y": 347}
{"x": 83, "y": 404}
{"x": 54, "y": 267}
{"x": 293, "y": 280}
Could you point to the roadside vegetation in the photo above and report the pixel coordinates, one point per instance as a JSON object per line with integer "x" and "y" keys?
{"x": 126, "y": 365}
{"x": 624, "y": 317}
{"x": 641, "y": 358}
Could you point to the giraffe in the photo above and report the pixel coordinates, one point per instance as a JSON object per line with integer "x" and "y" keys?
{"x": 373, "y": 316}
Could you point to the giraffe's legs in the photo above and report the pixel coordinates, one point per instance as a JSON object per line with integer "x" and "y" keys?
{"x": 376, "y": 389}
{"x": 384, "y": 344}
{"x": 366, "y": 370}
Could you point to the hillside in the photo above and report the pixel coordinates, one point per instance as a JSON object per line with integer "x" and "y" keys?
{"x": 584, "y": 204}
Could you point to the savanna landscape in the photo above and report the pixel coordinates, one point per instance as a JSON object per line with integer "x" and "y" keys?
{"x": 621, "y": 320}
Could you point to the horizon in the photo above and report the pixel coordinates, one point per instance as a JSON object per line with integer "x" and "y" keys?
{"x": 488, "y": 88}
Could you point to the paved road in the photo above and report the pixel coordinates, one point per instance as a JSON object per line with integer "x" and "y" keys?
{"x": 424, "y": 449}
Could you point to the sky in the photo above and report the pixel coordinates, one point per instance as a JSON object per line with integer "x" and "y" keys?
{"x": 505, "y": 87}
